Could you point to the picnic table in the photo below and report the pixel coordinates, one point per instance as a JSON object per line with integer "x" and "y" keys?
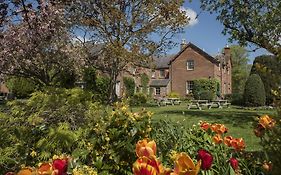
{"x": 167, "y": 101}
{"x": 221, "y": 103}
{"x": 198, "y": 104}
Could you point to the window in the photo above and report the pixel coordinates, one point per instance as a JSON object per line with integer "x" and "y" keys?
{"x": 157, "y": 90}
{"x": 190, "y": 65}
{"x": 153, "y": 74}
{"x": 189, "y": 87}
{"x": 162, "y": 73}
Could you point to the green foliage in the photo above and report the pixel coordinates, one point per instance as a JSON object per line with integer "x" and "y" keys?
{"x": 205, "y": 89}
{"x": 235, "y": 99}
{"x": 21, "y": 87}
{"x": 268, "y": 68}
{"x": 144, "y": 82}
{"x": 239, "y": 60}
{"x": 174, "y": 95}
{"x": 67, "y": 121}
{"x": 89, "y": 77}
{"x": 138, "y": 99}
{"x": 261, "y": 18}
{"x": 254, "y": 94}
{"x": 66, "y": 78}
{"x": 175, "y": 137}
{"x": 129, "y": 84}
{"x": 98, "y": 85}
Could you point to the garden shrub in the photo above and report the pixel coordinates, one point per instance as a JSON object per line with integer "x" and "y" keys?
{"x": 254, "y": 93}
{"x": 174, "y": 95}
{"x": 21, "y": 87}
{"x": 138, "y": 99}
{"x": 144, "y": 82}
{"x": 67, "y": 121}
{"x": 65, "y": 79}
{"x": 235, "y": 99}
{"x": 130, "y": 85}
{"x": 205, "y": 89}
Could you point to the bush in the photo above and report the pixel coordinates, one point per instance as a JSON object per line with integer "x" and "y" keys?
{"x": 174, "y": 95}
{"x": 205, "y": 89}
{"x": 67, "y": 121}
{"x": 254, "y": 93}
{"x": 21, "y": 87}
{"x": 130, "y": 85}
{"x": 235, "y": 99}
{"x": 138, "y": 99}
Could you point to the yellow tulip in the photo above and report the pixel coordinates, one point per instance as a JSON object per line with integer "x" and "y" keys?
{"x": 146, "y": 148}
{"x": 184, "y": 165}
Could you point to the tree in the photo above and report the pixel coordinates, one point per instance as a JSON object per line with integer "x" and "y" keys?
{"x": 257, "y": 22}
{"x": 130, "y": 31}
{"x": 254, "y": 94}
{"x": 35, "y": 43}
{"x": 239, "y": 58}
{"x": 268, "y": 68}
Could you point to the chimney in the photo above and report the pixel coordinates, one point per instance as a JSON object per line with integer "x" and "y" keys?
{"x": 183, "y": 44}
{"x": 227, "y": 54}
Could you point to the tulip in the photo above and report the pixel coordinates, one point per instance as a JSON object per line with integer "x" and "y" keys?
{"x": 267, "y": 166}
{"x": 25, "y": 171}
{"x": 146, "y": 148}
{"x": 238, "y": 144}
{"x": 267, "y": 122}
{"x": 45, "y": 169}
{"x": 146, "y": 166}
{"x": 259, "y": 131}
{"x": 206, "y": 159}
{"x": 184, "y": 165}
{"x": 205, "y": 126}
{"x": 227, "y": 140}
{"x": 10, "y": 173}
{"x": 217, "y": 139}
{"x": 60, "y": 166}
{"x": 234, "y": 163}
{"x": 219, "y": 128}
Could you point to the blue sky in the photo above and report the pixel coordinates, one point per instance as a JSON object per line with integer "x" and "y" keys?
{"x": 205, "y": 32}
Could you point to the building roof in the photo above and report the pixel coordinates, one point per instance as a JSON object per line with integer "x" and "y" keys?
{"x": 159, "y": 83}
{"x": 162, "y": 62}
{"x": 197, "y": 49}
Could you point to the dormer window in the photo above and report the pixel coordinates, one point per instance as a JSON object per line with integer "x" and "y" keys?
{"x": 190, "y": 65}
{"x": 162, "y": 74}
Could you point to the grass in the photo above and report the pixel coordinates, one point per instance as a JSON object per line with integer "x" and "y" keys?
{"x": 239, "y": 121}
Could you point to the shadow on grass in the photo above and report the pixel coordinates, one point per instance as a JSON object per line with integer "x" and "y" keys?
{"x": 226, "y": 116}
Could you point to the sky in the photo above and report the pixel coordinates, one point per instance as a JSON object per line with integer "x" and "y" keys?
{"x": 205, "y": 32}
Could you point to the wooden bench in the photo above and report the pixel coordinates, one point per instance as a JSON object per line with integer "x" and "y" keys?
{"x": 221, "y": 103}
{"x": 199, "y": 104}
{"x": 174, "y": 101}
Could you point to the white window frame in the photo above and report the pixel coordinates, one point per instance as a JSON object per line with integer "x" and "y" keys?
{"x": 189, "y": 64}
{"x": 189, "y": 87}
{"x": 153, "y": 74}
{"x": 156, "y": 88}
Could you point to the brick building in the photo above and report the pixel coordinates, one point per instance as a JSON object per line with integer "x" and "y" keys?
{"x": 176, "y": 73}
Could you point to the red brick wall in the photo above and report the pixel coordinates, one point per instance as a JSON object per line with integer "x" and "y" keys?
{"x": 179, "y": 74}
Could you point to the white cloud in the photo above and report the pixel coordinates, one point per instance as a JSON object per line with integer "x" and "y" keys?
{"x": 191, "y": 14}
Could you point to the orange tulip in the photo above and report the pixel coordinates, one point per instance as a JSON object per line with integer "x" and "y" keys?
{"x": 45, "y": 169}
{"x": 238, "y": 144}
{"x": 267, "y": 122}
{"x": 227, "y": 140}
{"x": 219, "y": 128}
{"x": 146, "y": 148}
{"x": 146, "y": 166}
{"x": 184, "y": 165}
{"x": 217, "y": 139}
{"x": 205, "y": 126}
{"x": 25, "y": 171}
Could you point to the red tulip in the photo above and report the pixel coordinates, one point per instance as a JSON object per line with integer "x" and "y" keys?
{"x": 234, "y": 163}
{"x": 206, "y": 158}
{"x": 60, "y": 166}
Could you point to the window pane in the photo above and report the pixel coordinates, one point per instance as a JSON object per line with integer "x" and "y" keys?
{"x": 190, "y": 64}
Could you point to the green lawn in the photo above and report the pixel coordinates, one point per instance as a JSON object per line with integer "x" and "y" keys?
{"x": 239, "y": 121}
